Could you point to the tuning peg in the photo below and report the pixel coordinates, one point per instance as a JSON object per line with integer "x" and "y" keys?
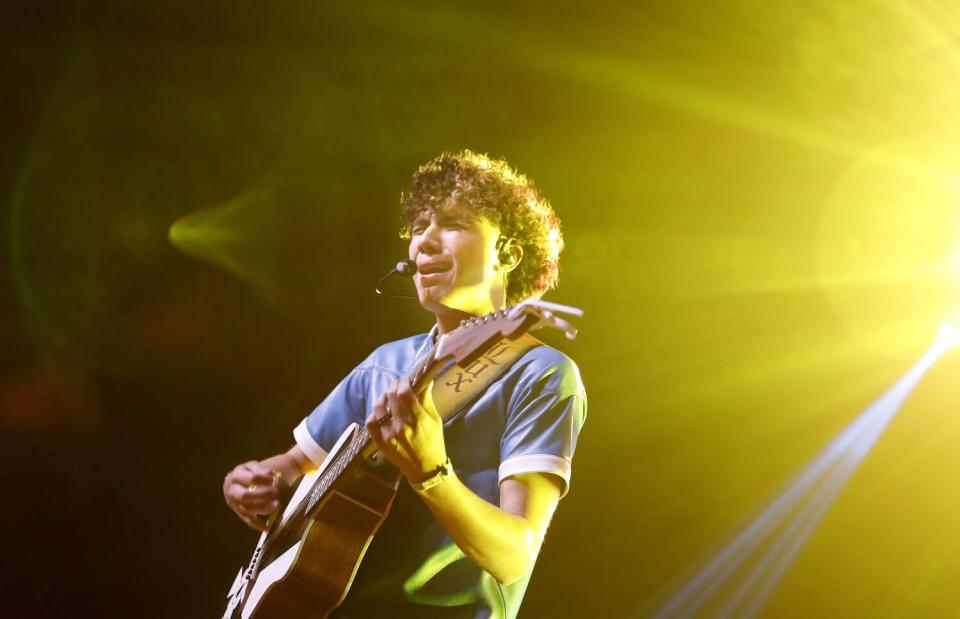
{"x": 547, "y": 318}
{"x": 546, "y": 312}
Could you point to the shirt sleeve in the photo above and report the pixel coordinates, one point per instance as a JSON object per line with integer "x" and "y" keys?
{"x": 346, "y": 404}
{"x": 544, "y": 421}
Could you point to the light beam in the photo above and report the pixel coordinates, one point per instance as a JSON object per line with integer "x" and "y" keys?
{"x": 740, "y": 578}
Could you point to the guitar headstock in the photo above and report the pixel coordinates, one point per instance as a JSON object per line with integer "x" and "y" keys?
{"x": 477, "y": 334}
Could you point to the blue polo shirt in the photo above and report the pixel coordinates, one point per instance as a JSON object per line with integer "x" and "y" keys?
{"x": 526, "y": 421}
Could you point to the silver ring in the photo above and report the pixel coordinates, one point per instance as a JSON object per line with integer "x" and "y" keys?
{"x": 387, "y": 416}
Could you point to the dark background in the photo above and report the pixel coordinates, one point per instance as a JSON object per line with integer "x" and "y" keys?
{"x": 758, "y": 226}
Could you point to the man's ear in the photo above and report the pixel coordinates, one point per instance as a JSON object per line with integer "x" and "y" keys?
{"x": 509, "y": 253}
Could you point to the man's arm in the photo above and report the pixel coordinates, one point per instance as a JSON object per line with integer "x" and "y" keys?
{"x": 502, "y": 540}
{"x": 252, "y": 490}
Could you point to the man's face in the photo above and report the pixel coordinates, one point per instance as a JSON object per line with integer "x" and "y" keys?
{"x": 456, "y": 255}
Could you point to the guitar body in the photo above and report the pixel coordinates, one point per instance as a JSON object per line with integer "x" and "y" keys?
{"x": 310, "y": 561}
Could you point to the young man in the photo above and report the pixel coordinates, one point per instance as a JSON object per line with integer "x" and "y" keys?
{"x": 461, "y": 544}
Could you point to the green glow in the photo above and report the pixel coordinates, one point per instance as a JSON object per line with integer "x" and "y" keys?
{"x": 413, "y": 586}
{"x": 213, "y": 233}
{"x": 241, "y": 236}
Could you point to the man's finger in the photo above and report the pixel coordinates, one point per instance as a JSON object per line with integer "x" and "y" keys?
{"x": 252, "y": 521}
{"x": 258, "y": 470}
{"x": 380, "y": 408}
{"x": 246, "y": 476}
{"x": 404, "y": 390}
{"x": 241, "y": 494}
{"x": 248, "y": 518}
{"x": 406, "y": 401}
{"x": 374, "y": 428}
{"x": 401, "y": 411}
{"x": 259, "y": 490}
{"x": 259, "y": 497}
{"x": 264, "y": 508}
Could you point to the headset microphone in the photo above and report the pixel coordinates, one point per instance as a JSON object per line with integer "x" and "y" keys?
{"x": 404, "y": 267}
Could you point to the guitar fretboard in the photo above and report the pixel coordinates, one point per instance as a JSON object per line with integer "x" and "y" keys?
{"x": 347, "y": 455}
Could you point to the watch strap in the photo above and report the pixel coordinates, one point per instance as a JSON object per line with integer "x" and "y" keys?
{"x": 437, "y": 477}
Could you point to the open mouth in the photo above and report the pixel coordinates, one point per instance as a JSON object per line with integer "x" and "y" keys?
{"x": 431, "y": 269}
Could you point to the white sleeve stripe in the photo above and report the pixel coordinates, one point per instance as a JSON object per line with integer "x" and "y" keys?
{"x": 537, "y": 463}
{"x": 306, "y": 443}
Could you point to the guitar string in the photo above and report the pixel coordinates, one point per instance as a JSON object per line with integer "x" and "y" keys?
{"x": 341, "y": 461}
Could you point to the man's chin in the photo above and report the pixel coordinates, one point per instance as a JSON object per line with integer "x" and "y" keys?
{"x": 430, "y": 300}
{"x": 439, "y": 305}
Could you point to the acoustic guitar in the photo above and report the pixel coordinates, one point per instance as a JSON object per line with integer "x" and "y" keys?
{"x": 305, "y": 561}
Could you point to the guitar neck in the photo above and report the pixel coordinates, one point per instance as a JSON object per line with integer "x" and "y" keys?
{"x": 361, "y": 445}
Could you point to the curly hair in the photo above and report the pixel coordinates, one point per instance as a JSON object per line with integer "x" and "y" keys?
{"x": 490, "y": 187}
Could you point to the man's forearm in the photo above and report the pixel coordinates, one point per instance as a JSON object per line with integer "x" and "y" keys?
{"x": 502, "y": 543}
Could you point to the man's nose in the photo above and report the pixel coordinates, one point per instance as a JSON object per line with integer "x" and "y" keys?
{"x": 429, "y": 241}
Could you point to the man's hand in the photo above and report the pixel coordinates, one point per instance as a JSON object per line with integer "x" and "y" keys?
{"x": 503, "y": 540}
{"x": 409, "y": 433}
{"x": 255, "y": 488}
{"x": 252, "y": 489}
